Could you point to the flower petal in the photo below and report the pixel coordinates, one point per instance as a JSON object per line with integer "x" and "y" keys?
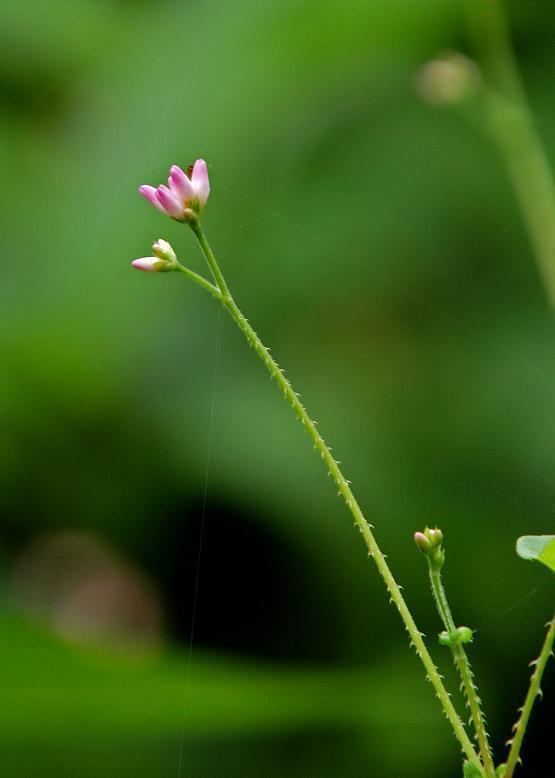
{"x": 149, "y": 192}
{"x": 169, "y": 202}
{"x": 200, "y": 182}
{"x": 146, "y": 263}
{"x": 180, "y": 184}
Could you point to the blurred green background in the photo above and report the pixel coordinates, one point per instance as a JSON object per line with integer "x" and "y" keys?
{"x": 374, "y": 242}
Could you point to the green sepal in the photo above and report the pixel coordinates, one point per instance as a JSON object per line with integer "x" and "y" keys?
{"x": 540, "y": 548}
{"x": 460, "y": 635}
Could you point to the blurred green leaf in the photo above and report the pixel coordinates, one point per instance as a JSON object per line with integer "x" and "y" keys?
{"x": 57, "y": 692}
{"x": 537, "y": 547}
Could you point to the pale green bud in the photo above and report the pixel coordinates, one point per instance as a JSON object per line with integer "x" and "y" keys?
{"x": 449, "y": 78}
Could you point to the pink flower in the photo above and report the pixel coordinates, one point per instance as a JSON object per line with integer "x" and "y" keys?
{"x": 186, "y": 194}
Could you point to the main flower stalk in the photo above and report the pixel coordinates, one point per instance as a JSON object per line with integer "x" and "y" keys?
{"x": 184, "y": 199}
{"x": 345, "y": 491}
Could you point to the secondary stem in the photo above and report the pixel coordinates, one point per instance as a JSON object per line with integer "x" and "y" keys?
{"x": 533, "y": 692}
{"x": 198, "y": 279}
{"x": 512, "y": 126}
{"x": 344, "y": 489}
{"x": 462, "y": 664}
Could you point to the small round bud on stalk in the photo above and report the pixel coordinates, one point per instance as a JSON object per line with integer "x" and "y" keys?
{"x": 460, "y": 635}
{"x": 430, "y": 543}
{"x": 422, "y": 542}
{"x": 465, "y": 634}
{"x": 435, "y": 536}
{"x": 448, "y": 79}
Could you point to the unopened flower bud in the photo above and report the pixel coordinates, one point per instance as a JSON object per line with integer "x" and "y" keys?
{"x": 459, "y": 636}
{"x": 163, "y": 261}
{"x": 465, "y": 634}
{"x": 152, "y": 264}
{"x": 163, "y": 250}
{"x": 422, "y": 542}
{"x": 430, "y": 543}
{"x": 435, "y": 536}
{"x": 448, "y": 79}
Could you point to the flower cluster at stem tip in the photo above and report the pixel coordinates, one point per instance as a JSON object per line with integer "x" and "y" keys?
{"x": 183, "y": 200}
{"x": 430, "y": 543}
{"x": 186, "y": 194}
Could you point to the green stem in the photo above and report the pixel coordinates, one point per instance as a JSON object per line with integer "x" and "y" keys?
{"x": 462, "y": 664}
{"x": 533, "y": 692}
{"x": 211, "y": 259}
{"x": 345, "y": 491}
{"x": 512, "y": 126}
{"x": 198, "y": 279}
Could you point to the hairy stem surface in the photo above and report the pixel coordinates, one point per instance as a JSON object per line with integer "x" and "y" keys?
{"x": 462, "y": 663}
{"x": 533, "y": 692}
{"x": 345, "y": 490}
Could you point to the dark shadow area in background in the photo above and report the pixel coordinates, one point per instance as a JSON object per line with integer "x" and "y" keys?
{"x": 284, "y": 754}
{"x": 251, "y": 598}
{"x": 276, "y": 756}
{"x": 540, "y": 728}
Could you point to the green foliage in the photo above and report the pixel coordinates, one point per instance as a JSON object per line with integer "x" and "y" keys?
{"x": 134, "y": 709}
{"x": 540, "y": 548}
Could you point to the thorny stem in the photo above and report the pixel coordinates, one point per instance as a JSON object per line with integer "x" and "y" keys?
{"x": 533, "y": 692}
{"x": 512, "y": 126}
{"x": 462, "y": 664}
{"x": 345, "y": 491}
